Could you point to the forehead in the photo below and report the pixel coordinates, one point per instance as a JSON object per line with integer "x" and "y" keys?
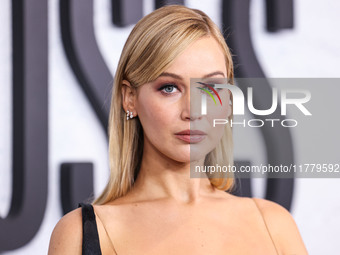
{"x": 201, "y": 57}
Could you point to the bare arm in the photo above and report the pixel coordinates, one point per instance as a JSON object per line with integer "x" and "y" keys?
{"x": 282, "y": 227}
{"x": 67, "y": 235}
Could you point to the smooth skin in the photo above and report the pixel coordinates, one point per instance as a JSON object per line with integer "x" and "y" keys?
{"x": 167, "y": 212}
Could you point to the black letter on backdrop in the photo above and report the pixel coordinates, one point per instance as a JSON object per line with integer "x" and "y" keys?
{"x": 30, "y": 119}
{"x": 278, "y": 140}
{"x": 76, "y": 22}
{"x": 73, "y": 186}
{"x": 82, "y": 52}
{"x": 160, "y": 3}
{"x": 126, "y": 12}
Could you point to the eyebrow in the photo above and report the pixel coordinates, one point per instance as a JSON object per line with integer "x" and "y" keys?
{"x": 180, "y": 77}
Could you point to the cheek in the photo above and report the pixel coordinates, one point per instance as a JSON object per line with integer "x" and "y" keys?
{"x": 218, "y": 111}
{"x": 154, "y": 115}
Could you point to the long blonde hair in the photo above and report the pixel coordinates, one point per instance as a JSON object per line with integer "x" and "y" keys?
{"x": 153, "y": 44}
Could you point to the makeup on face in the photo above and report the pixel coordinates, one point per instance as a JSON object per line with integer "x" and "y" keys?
{"x": 191, "y": 136}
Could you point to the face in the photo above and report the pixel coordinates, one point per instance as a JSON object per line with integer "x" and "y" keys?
{"x": 170, "y": 106}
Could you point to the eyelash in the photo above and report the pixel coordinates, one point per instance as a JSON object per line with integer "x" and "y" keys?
{"x": 166, "y": 86}
{"x": 175, "y": 86}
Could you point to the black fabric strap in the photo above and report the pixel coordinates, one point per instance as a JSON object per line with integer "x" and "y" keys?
{"x": 91, "y": 245}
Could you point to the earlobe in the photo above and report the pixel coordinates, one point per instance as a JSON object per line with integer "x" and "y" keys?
{"x": 129, "y": 115}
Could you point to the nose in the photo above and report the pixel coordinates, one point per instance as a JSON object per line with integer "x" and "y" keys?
{"x": 191, "y": 106}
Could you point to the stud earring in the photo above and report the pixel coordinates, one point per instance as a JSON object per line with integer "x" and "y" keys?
{"x": 129, "y": 115}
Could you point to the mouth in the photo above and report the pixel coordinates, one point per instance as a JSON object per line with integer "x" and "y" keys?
{"x": 191, "y": 136}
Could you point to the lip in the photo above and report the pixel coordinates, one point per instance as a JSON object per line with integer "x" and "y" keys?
{"x": 191, "y": 136}
{"x": 191, "y": 132}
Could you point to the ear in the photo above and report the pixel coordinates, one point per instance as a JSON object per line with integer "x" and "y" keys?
{"x": 129, "y": 97}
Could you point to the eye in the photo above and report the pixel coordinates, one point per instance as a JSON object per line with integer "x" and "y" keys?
{"x": 168, "y": 88}
{"x": 209, "y": 86}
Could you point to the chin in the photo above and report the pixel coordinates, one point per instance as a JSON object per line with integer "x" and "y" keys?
{"x": 189, "y": 155}
{"x": 182, "y": 159}
{"x": 198, "y": 153}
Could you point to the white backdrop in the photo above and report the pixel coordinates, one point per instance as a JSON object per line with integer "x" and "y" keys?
{"x": 311, "y": 49}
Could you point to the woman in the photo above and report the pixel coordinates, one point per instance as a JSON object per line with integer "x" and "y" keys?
{"x": 157, "y": 133}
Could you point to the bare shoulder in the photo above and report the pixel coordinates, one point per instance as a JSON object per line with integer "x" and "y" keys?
{"x": 67, "y": 237}
{"x": 282, "y": 227}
